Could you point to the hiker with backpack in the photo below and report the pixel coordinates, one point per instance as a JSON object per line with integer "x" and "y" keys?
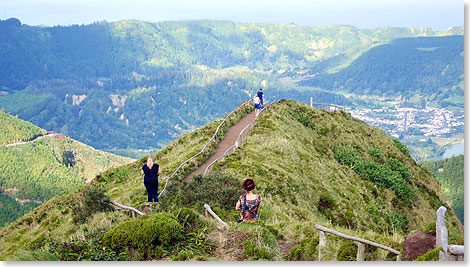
{"x": 248, "y": 204}
{"x": 256, "y": 102}
{"x": 151, "y": 172}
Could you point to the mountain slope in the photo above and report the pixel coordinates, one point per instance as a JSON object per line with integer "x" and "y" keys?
{"x": 450, "y": 173}
{"x": 431, "y": 67}
{"x": 129, "y": 86}
{"x": 35, "y": 166}
{"x": 310, "y": 167}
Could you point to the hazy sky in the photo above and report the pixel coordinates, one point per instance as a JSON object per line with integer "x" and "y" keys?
{"x": 438, "y": 14}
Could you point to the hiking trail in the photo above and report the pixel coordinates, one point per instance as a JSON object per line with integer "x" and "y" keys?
{"x": 229, "y": 140}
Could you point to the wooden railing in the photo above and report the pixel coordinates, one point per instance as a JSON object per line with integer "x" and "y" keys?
{"x": 447, "y": 252}
{"x": 238, "y": 142}
{"x": 209, "y": 211}
{"x": 133, "y": 210}
{"x": 193, "y": 158}
{"x": 324, "y": 106}
{"x": 360, "y": 243}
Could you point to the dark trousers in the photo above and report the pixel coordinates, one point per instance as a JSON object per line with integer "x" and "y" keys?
{"x": 152, "y": 190}
{"x": 261, "y": 106}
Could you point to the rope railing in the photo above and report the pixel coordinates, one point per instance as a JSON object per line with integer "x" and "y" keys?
{"x": 204, "y": 148}
{"x": 238, "y": 142}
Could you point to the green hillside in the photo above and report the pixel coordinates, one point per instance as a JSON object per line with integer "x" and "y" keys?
{"x": 129, "y": 86}
{"x": 310, "y": 167}
{"x": 34, "y": 169}
{"x": 430, "y": 67}
{"x": 450, "y": 173}
{"x": 15, "y": 130}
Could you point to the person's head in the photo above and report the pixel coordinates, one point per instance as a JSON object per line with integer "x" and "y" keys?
{"x": 261, "y": 89}
{"x": 149, "y": 162}
{"x": 248, "y": 185}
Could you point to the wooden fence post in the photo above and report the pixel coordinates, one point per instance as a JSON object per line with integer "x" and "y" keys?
{"x": 360, "y": 251}
{"x": 441, "y": 234}
{"x": 321, "y": 244}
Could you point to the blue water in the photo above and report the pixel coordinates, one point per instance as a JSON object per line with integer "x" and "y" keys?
{"x": 454, "y": 150}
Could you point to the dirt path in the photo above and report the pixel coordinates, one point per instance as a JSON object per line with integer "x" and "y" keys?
{"x": 32, "y": 140}
{"x": 229, "y": 140}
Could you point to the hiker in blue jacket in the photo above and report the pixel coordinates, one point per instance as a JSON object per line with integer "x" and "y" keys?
{"x": 260, "y": 95}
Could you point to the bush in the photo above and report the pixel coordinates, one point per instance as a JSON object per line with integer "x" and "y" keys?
{"x": 431, "y": 255}
{"x": 188, "y": 218}
{"x": 403, "y": 148}
{"x": 215, "y": 189}
{"x": 304, "y": 119}
{"x": 144, "y": 234}
{"x": 305, "y": 251}
{"x": 326, "y": 205}
{"x": 183, "y": 255}
{"x": 430, "y": 228}
{"x": 260, "y": 242}
{"x": 377, "y": 155}
{"x": 347, "y": 251}
{"x": 88, "y": 201}
{"x": 400, "y": 167}
{"x": 392, "y": 175}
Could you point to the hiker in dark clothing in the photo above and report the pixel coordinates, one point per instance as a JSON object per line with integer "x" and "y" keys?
{"x": 260, "y": 95}
{"x": 151, "y": 172}
{"x": 248, "y": 204}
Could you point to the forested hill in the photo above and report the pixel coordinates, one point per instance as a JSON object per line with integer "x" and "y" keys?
{"x": 432, "y": 67}
{"x": 108, "y": 50}
{"x": 129, "y": 86}
{"x": 35, "y": 166}
{"x": 310, "y": 167}
{"x": 450, "y": 173}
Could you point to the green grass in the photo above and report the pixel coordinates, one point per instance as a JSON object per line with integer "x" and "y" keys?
{"x": 296, "y": 173}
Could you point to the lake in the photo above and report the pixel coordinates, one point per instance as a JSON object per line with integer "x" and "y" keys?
{"x": 454, "y": 150}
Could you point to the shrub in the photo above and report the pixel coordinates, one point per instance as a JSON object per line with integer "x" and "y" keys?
{"x": 88, "y": 201}
{"x": 183, "y": 255}
{"x": 303, "y": 118}
{"x": 399, "y": 222}
{"x": 430, "y": 228}
{"x": 306, "y": 250}
{"x": 155, "y": 231}
{"x": 403, "y": 148}
{"x": 347, "y": 251}
{"x": 188, "y": 218}
{"x": 260, "y": 242}
{"x": 216, "y": 189}
{"x": 326, "y": 205}
{"x": 377, "y": 155}
{"x": 431, "y": 255}
{"x": 400, "y": 167}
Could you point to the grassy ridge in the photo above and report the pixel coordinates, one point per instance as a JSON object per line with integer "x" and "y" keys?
{"x": 290, "y": 153}
{"x": 15, "y": 130}
{"x": 123, "y": 184}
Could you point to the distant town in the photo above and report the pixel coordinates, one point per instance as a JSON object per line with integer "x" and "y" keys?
{"x": 407, "y": 122}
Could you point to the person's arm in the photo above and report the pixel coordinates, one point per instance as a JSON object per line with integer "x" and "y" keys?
{"x": 142, "y": 170}
{"x": 159, "y": 170}
{"x": 237, "y": 207}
